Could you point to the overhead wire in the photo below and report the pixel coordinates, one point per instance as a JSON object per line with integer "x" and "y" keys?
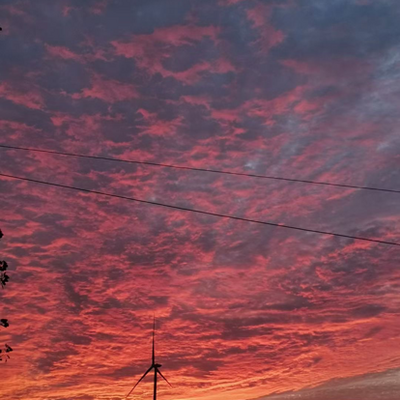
{"x": 203, "y": 212}
{"x": 185, "y": 167}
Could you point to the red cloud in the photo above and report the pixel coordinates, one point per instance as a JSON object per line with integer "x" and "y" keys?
{"x": 242, "y": 310}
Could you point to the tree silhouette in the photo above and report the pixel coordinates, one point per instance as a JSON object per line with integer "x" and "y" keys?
{"x": 4, "y": 278}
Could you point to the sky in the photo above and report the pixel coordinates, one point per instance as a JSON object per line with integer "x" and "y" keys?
{"x": 303, "y": 89}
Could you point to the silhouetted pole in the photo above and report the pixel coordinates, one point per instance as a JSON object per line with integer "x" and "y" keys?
{"x": 153, "y": 366}
{"x": 155, "y": 384}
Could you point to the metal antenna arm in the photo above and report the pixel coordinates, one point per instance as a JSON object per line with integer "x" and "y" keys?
{"x": 154, "y": 329}
{"x": 139, "y": 381}
{"x": 162, "y": 376}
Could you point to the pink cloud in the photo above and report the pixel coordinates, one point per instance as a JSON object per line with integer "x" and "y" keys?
{"x": 16, "y": 10}
{"x": 193, "y": 74}
{"x": 17, "y": 131}
{"x": 30, "y": 98}
{"x": 85, "y": 57}
{"x": 66, "y": 10}
{"x": 330, "y": 70}
{"x": 63, "y": 52}
{"x": 154, "y": 126}
{"x": 149, "y": 51}
{"x": 267, "y": 110}
{"x": 197, "y": 100}
{"x": 85, "y": 133}
{"x": 229, "y": 2}
{"x": 141, "y": 46}
{"x": 108, "y": 90}
{"x": 226, "y": 115}
{"x": 260, "y": 16}
{"x": 99, "y": 7}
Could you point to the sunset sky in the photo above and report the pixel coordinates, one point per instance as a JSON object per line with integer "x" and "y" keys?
{"x": 303, "y": 89}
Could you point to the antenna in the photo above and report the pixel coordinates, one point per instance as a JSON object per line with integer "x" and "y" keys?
{"x": 154, "y": 330}
{"x": 152, "y": 366}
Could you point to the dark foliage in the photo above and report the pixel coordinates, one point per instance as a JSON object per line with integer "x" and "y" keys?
{"x": 4, "y": 353}
{"x": 4, "y": 278}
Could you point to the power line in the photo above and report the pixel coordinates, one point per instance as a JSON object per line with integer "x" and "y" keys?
{"x": 183, "y": 167}
{"x": 227, "y": 216}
